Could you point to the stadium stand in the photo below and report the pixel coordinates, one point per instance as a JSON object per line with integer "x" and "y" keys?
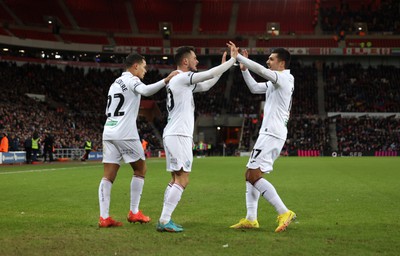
{"x": 344, "y": 15}
{"x": 372, "y": 42}
{"x": 212, "y": 10}
{"x": 368, "y": 134}
{"x": 85, "y": 39}
{"x": 34, "y": 12}
{"x": 308, "y": 133}
{"x": 138, "y": 41}
{"x": 279, "y": 42}
{"x": 353, "y": 88}
{"x": 324, "y": 84}
{"x": 271, "y": 11}
{"x": 178, "y": 13}
{"x": 31, "y": 34}
{"x": 109, "y": 16}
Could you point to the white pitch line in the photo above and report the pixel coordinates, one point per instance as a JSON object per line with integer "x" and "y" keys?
{"x": 49, "y": 169}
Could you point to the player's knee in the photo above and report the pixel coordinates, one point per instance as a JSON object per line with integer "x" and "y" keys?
{"x": 141, "y": 172}
{"x": 253, "y": 176}
{"x": 182, "y": 178}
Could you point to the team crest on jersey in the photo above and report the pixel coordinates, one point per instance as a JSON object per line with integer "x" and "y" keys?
{"x": 187, "y": 164}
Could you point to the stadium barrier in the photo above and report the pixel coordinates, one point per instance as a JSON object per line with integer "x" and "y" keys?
{"x": 385, "y": 153}
{"x": 12, "y": 157}
{"x": 308, "y": 153}
{"x": 68, "y": 153}
{"x": 65, "y": 154}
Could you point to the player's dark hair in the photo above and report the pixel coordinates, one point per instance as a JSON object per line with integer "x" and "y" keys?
{"x": 181, "y": 53}
{"x": 132, "y": 59}
{"x": 284, "y": 55}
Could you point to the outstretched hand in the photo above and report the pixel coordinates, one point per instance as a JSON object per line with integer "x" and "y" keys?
{"x": 171, "y": 75}
{"x": 224, "y": 57}
{"x": 234, "y": 49}
{"x": 245, "y": 54}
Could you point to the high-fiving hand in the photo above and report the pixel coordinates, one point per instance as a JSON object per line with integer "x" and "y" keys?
{"x": 234, "y": 49}
{"x": 245, "y": 54}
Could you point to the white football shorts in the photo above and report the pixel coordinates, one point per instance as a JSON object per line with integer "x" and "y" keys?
{"x": 178, "y": 153}
{"x": 116, "y": 150}
{"x": 265, "y": 152}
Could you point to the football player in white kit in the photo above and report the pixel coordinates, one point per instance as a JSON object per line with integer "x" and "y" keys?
{"x": 272, "y": 135}
{"x": 178, "y": 134}
{"x": 121, "y": 139}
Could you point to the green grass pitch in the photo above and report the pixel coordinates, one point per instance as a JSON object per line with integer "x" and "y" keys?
{"x": 345, "y": 206}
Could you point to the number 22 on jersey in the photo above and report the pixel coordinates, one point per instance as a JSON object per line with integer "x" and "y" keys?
{"x": 114, "y": 105}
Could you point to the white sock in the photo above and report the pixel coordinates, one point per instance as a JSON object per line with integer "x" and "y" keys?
{"x": 268, "y": 191}
{"x": 105, "y": 197}
{"x": 173, "y": 197}
{"x": 167, "y": 190}
{"x": 252, "y": 196}
{"x": 136, "y": 193}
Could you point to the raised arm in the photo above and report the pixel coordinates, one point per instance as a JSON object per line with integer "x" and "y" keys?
{"x": 206, "y": 85}
{"x": 254, "y": 86}
{"x": 258, "y": 69}
{"x": 211, "y": 73}
{"x": 148, "y": 90}
{"x": 218, "y": 70}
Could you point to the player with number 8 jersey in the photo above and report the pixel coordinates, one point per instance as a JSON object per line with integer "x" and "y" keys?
{"x": 178, "y": 134}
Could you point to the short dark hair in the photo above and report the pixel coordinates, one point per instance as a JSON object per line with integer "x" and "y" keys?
{"x": 132, "y": 59}
{"x": 181, "y": 52}
{"x": 284, "y": 55}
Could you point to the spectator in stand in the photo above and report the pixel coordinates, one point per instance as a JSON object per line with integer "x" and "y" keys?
{"x": 14, "y": 142}
{"x": 4, "y": 143}
{"x": 349, "y": 88}
{"x": 144, "y": 146}
{"x": 367, "y": 134}
{"x": 48, "y": 147}
{"x": 28, "y": 149}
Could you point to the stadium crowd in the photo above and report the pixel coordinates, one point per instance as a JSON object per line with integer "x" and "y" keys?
{"x": 368, "y": 134}
{"x": 308, "y": 133}
{"x": 72, "y": 111}
{"x": 75, "y": 103}
{"x": 381, "y": 19}
{"x": 352, "y": 88}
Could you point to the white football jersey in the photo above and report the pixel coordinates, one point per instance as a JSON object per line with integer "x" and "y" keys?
{"x": 180, "y": 105}
{"x": 278, "y": 101}
{"x": 278, "y": 96}
{"x": 122, "y": 108}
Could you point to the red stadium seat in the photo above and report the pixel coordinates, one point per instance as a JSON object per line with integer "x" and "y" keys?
{"x": 85, "y": 39}
{"x": 138, "y": 41}
{"x": 212, "y": 10}
{"x": 31, "y": 34}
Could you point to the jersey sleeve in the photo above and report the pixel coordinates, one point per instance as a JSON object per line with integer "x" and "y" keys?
{"x": 150, "y": 89}
{"x": 206, "y": 85}
{"x": 254, "y": 86}
{"x": 258, "y": 69}
{"x": 213, "y": 72}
